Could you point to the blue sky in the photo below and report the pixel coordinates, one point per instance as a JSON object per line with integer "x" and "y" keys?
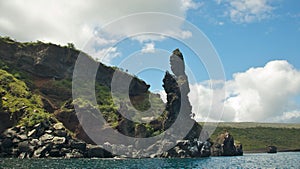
{"x": 257, "y": 42}
{"x": 245, "y": 45}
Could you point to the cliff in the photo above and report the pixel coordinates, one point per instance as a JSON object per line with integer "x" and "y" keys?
{"x": 47, "y": 70}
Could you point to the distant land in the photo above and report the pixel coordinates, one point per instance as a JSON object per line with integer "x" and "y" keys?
{"x": 256, "y": 136}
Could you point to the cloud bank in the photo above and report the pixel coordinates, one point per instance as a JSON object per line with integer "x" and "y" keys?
{"x": 262, "y": 94}
{"x": 63, "y": 21}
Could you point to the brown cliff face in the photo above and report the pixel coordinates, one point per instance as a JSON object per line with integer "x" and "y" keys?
{"x": 47, "y": 70}
{"x": 45, "y": 64}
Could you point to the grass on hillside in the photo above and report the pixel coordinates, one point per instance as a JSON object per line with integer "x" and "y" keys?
{"x": 255, "y": 138}
{"x": 19, "y": 102}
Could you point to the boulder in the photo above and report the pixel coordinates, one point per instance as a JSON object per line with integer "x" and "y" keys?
{"x": 41, "y": 152}
{"x": 24, "y": 147}
{"x": 58, "y": 140}
{"x": 58, "y": 126}
{"x": 55, "y": 153}
{"x": 271, "y": 149}
{"x": 31, "y": 133}
{"x": 22, "y": 137}
{"x": 60, "y": 133}
{"x": 23, "y": 155}
{"x": 7, "y": 143}
{"x": 97, "y": 151}
{"x": 46, "y": 137}
{"x": 74, "y": 154}
{"x": 35, "y": 142}
{"x": 10, "y": 132}
{"x": 49, "y": 131}
{"x": 206, "y": 149}
{"x": 81, "y": 146}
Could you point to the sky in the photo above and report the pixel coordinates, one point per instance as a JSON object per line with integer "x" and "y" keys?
{"x": 242, "y": 56}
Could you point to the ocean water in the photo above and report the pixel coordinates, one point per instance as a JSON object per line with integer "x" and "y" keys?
{"x": 280, "y": 160}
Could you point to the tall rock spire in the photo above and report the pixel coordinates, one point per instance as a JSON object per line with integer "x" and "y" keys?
{"x": 177, "y": 88}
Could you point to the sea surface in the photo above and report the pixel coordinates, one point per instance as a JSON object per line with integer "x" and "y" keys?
{"x": 280, "y": 160}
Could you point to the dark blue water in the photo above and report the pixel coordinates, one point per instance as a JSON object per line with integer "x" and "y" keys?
{"x": 279, "y": 160}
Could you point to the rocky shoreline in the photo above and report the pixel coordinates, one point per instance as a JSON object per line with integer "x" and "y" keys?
{"x": 46, "y": 139}
{"x": 50, "y": 139}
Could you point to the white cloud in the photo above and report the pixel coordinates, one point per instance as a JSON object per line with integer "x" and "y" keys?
{"x": 246, "y": 11}
{"x": 292, "y": 116}
{"x": 185, "y": 34}
{"x": 259, "y": 94}
{"x": 105, "y": 55}
{"x": 148, "y": 48}
{"x": 221, "y": 23}
{"x": 62, "y": 21}
{"x": 190, "y": 4}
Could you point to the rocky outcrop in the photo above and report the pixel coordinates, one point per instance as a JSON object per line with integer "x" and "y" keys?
{"x": 188, "y": 148}
{"x": 225, "y": 146}
{"x": 271, "y": 149}
{"x": 177, "y": 88}
{"x": 46, "y": 139}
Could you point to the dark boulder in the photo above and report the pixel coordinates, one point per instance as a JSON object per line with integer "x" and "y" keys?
{"x": 81, "y": 146}
{"x": 55, "y": 153}
{"x": 41, "y": 152}
{"x": 271, "y": 149}
{"x": 97, "y": 151}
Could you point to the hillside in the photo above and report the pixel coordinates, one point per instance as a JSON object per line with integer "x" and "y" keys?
{"x": 256, "y": 136}
{"x": 46, "y": 70}
{"x": 254, "y": 124}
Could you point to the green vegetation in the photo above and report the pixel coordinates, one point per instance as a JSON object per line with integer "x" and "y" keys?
{"x": 71, "y": 45}
{"x": 24, "y": 107}
{"x": 8, "y": 40}
{"x": 256, "y": 136}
